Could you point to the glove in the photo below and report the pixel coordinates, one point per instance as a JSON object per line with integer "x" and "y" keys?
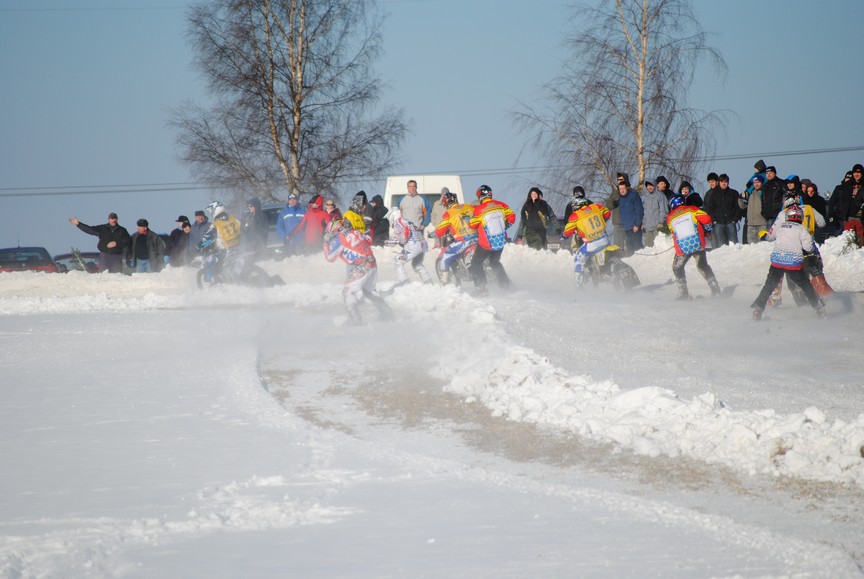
{"x": 762, "y": 233}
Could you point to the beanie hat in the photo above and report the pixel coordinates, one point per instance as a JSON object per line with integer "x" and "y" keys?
{"x": 759, "y": 178}
{"x": 646, "y": 183}
{"x": 858, "y": 167}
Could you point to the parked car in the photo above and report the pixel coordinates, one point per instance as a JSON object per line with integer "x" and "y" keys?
{"x": 83, "y": 261}
{"x": 26, "y": 259}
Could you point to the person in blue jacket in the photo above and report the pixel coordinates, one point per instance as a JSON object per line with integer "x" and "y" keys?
{"x": 288, "y": 220}
{"x": 632, "y": 212}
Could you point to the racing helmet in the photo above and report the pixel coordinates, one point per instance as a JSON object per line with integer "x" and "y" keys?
{"x": 484, "y": 191}
{"x": 393, "y": 212}
{"x": 791, "y": 198}
{"x": 580, "y": 203}
{"x": 676, "y": 202}
{"x": 448, "y": 199}
{"x": 794, "y": 213}
{"x": 215, "y": 209}
{"x": 358, "y": 201}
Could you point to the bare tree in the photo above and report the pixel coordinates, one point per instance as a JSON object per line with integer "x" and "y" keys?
{"x": 620, "y": 104}
{"x": 294, "y": 96}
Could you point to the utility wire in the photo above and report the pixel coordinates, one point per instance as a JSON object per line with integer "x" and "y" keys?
{"x": 172, "y": 187}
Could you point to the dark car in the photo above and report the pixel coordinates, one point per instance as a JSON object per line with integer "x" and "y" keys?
{"x": 82, "y": 261}
{"x": 26, "y": 259}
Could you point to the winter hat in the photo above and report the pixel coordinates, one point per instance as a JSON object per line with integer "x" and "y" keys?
{"x": 200, "y": 213}
{"x": 759, "y": 178}
{"x": 858, "y": 167}
{"x": 759, "y": 166}
{"x": 646, "y": 183}
{"x": 712, "y": 176}
{"x": 685, "y": 184}
{"x": 793, "y": 179}
{"x": 847, "y": 176}
{"x": 143, "y": 223}
{"x": 770, "y": 169}
{"x": 662, "y": 179}
{"x": 292, "y": 196}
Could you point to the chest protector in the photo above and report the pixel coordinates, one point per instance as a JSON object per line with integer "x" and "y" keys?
{"x": 229, "y": 231}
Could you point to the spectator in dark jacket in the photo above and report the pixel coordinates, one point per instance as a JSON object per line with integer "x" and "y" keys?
{"x": 178, "y": 242}
{"x": 691, "y": 197}
{"x": 848, "y": 202}
{"x": 536, "y": 218}
{"x": 632, "y": 213}
{"x": 772, "y": 195}
{"x": 254, "y": 226}
{"x": 664, "y": 187}
{"x": 713, "y": 185}
{"x": 148, "y": 250}
{"x": 199, "y": 228}
{"x": 113, "y": 245}
{"x": 723, "y": 208}
{"x": 380, "y": 225}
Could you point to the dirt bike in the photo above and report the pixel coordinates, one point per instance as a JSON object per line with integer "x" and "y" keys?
{"x": 606, "y": 266}
{"x": 458, "y": 273}
{"x": 233, "y": 268}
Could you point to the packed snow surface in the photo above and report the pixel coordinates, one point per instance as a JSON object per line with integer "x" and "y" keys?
{"x": 154, "y": 429}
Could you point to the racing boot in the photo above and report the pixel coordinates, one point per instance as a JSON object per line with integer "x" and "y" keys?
{"x": 354, "y": 317}
{"x": 683, "y": 294}
{"x": 715, "y": 287}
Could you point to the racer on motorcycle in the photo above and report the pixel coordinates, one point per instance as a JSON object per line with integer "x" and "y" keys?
{"x": 455, "y": 226}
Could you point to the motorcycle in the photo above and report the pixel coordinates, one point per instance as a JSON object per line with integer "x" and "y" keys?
{"x": 233, "y": 268}
{"x": 606, "y": 266}
{"x": 459, "y": 265}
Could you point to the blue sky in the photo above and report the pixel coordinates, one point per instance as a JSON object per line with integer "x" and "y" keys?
{"x": 88, "y": 84}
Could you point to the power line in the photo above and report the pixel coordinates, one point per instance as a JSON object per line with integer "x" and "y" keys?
{"x": 105, "y": 9}
{"x": 68, "y": 190}
{"x": 37, "y": 192}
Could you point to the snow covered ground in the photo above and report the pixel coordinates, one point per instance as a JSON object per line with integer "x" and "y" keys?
{"x": 151, "y": 429}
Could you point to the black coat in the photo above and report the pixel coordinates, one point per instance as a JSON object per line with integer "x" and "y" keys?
{"x": 817, "y": 202}
{"x": 380, "y": 226}
{"x": 772, "y": 198}
{"x": 722, "y": 205}
{"x": 843, "y": 204}
{"x": 107, "y": 234}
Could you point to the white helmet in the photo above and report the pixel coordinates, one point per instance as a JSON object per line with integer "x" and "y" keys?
{"x": 394, "y": 211}
{"x": 215, "y": 209}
